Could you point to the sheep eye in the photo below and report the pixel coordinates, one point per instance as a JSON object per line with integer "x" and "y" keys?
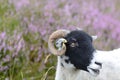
{"x": 73, "y": 44}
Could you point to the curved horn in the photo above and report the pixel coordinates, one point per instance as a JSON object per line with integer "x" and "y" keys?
{"x": 53, "y": 37}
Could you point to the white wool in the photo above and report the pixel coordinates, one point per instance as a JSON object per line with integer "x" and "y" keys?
{"x": 110, "y": 68}
{"x": 66, "y": 73}
{"x": 110, "y": 65}
{"x": 112, "y": 58}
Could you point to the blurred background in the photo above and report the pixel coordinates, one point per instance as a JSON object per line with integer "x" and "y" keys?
{"x": 25, "y": 26}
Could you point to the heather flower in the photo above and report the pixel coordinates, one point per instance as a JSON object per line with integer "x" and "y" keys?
{"x": 3, "y": 68}
{"x": 7, "y": 58}
{"x": 67, "y": 10}
{"x": 21, "y": 3}
{"x": 3, "y": 35}
{"x": 32, "y": 27}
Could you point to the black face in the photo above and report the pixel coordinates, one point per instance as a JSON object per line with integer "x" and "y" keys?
{"x": 79, "y": 49}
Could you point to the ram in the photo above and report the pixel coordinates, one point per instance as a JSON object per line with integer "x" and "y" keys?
{"x": 75, "y": 54}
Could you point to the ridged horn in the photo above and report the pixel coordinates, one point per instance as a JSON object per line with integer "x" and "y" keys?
{"x": 53, "y": 37}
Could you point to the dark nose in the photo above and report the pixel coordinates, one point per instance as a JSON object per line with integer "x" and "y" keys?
{"x": 98, "y": 64}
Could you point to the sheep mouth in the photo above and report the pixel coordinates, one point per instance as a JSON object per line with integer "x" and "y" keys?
{"x": 93, "y": 72}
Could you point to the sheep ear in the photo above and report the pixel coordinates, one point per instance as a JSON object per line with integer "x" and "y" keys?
{"x": 94, "y": 37}
{"x": 79, "y": 29}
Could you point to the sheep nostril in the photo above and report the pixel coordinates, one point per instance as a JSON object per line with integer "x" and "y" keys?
{"x": 98, "y": 64}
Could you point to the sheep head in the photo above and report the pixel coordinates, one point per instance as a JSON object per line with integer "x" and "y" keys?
{"x": 56, "y": 42}
{"x": 75, "y": 49}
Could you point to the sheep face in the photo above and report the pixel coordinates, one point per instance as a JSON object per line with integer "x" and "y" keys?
{"x": 80, "y": 52}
